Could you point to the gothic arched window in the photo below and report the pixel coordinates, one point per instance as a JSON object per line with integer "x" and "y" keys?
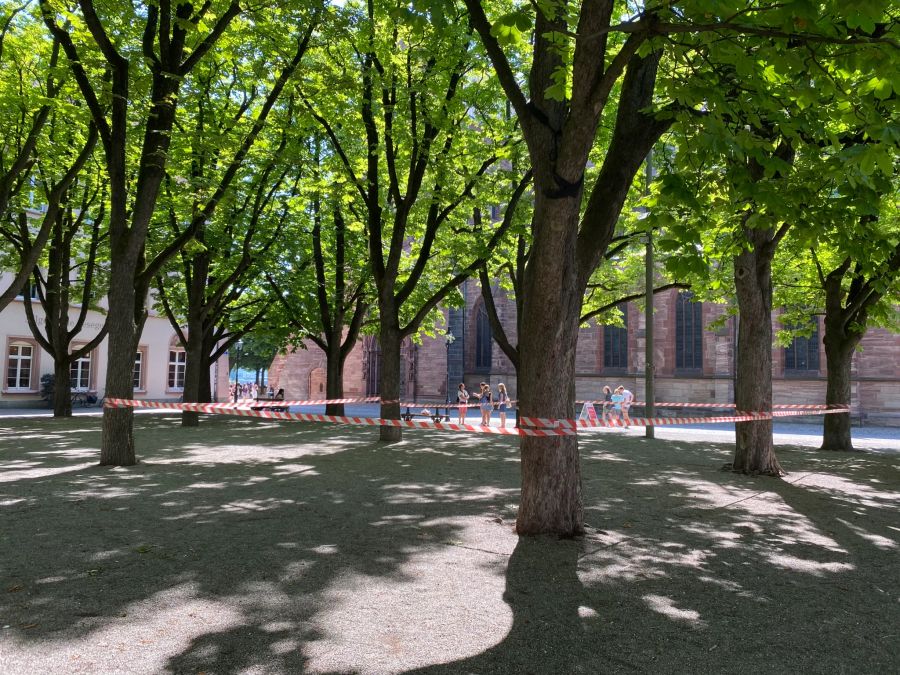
{"x": 802, "y": 355}
{"x": 688, "y": 333}
{"x": 615, "y": 344}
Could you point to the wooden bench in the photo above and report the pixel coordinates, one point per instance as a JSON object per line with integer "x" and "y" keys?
{"x": 435, "y": 416}
{"x": 268, "y": 399}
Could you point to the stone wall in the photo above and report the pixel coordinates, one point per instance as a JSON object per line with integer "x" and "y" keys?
{"x": 876, "y": 367}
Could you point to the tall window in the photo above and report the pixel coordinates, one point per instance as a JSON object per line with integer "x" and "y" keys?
{"x": 177, "y": 361}
{"x": 138, "y": 377}
{"x": 19, "y": 364}
{"x": 372, "y": 365}
{"x": 615, "y": 344}
{"x": 802, "y": 355}
{"x": 80, "y": 371}
{"x": 688, "y": 333}
{"x": 483, "y": 341}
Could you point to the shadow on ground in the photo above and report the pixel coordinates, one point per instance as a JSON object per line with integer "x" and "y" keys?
{"x": 251, "y": 546}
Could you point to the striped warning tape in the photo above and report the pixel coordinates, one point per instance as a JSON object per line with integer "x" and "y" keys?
{"x": 549, "y": 423}
{"x": 281, "y": 404}
{"x": 528, "y": 426}
{"x": 776, "y": 406}
{"x": 336, "y": 419}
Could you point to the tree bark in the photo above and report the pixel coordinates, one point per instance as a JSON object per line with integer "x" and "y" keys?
{"x": 334, "y": 373}
{"x": 390, "y": 340}
{"x": 754, "y": 447}
{"x": 62, "y": 388}
{"x": 841, "y": 338}
{"x": 117, "y": 439}
{"x": 551, "y": 500}
{"x": 193, "y": 372}
{"x": 839, "y": 357}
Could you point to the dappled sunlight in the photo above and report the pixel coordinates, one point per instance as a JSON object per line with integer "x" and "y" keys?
{"x": 785, "y": 525}
{"x": 666, "y": 607}
{"x": 806, "y": 566}
{"x": 13, "y": 475}
{"x": 433, "y": 493}
{"x": 310, "y": 548}
{"x": 256, "y": 505}
{"x": 850, "y": 491}
{"x": 147, "y": 632}
{"x": 881, "y": 542}
{"x": 626, "y": 558}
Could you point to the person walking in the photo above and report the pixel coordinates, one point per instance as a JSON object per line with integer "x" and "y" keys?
{"x": 502, "y": 403}
{"x": 607, "y": 402}
{"x": 627, "y": 399}
{"x": 616, "y": 399}
{"x": 462, "y": 400}
{"x": 486, "y": 404}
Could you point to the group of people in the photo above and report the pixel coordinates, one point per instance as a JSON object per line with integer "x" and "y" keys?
{"x": 486, "y": 403}
{"x": 248, "y": 390}
{"x": 616, "y": 403}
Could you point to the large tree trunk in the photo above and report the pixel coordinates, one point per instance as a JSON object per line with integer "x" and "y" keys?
{"x": 841, "y": 339}
{"x": 62, "y": 387}
{"x": 754, "y": 448}
{"x": 836, "y": 427}
{"x": 551, "y": 500}
{"x": 334, "y": 375}
{"x": 390, "y": 376}
{"x": 193, "y": 371}
{"x": 117, "y": 447}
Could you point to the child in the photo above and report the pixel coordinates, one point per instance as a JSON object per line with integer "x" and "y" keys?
{"x": 462, "y": 399}
{"x": 486, "y": 403}
{"x": 617, "y": 399}
{"x": 502, "y": 403}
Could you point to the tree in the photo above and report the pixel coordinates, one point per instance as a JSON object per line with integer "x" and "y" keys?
{"x": 431, "y": 134}
{"x": 166, "y": 43}
{"x": 72, "y": 270}
{"x": 229, "y": 112}
{"x": 581, "y": 56}
{"x": 25, "y": 59}
{"x": 333, "y": 316}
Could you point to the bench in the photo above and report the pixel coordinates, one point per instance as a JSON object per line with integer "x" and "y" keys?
{"x": 268, "y": 399}
{"x": 435, "y": 416}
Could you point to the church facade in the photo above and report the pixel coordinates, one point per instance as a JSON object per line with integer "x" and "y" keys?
{"x": 693, "y": 363}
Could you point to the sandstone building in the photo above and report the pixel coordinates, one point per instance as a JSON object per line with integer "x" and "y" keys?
{"x": 694, "y": 364}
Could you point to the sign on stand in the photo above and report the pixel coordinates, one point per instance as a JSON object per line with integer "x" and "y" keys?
{"x": 588, "y": 412}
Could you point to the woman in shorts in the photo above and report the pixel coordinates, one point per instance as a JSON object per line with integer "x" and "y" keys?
{"x": 502, "y": 403}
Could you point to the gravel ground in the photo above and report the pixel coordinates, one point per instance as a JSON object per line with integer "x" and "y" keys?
{"x": 247, "y": 546}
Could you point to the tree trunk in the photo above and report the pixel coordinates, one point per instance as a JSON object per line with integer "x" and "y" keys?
{"x": 62, "y": 388}
{"x": 193, "y": 371}
{"x": 390, "y": 377}
{"x": 754, "y": 447}
{"x": 117, "y": 447}
{"x": 205, "y": 392}
{"x": 839, "y": 346}
{"x": 836, "y": 427}
{"x": 551, "y": 500}
{"x": 334, "y": 376}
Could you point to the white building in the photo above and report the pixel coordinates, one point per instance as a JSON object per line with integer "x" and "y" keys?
{"x": 158, "y": 366}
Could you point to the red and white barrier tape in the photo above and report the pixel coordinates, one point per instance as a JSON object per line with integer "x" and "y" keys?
{"x": 776, "y": 406}
{"x": 335, "y": 419}
{"x": 543, "y": 422}
{"x": 281, "y": 404}
{"x": 529, "y": 426}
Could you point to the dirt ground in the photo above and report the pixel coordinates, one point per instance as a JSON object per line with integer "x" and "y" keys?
{"x": 248, "y": 546}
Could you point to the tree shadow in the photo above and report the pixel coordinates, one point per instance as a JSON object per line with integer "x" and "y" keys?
{"x": 248, "y": 545}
